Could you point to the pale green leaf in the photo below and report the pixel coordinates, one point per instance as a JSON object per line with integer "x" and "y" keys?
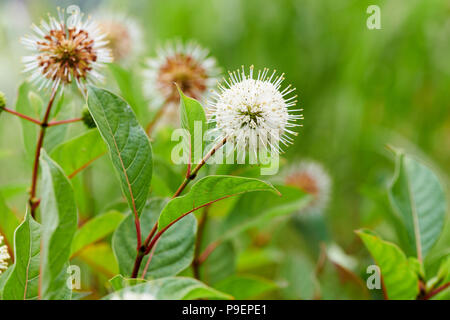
{"x": 399, "y": 278}
{"x": 59, "y": 224}
{"x": 22, "y": 283}
{"x": 96, "y": 229}
{"x": 418, "y": 198}
{"x": 76, "y": 154}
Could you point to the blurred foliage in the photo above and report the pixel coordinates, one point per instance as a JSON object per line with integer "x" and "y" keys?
{"x": 360, "y": 89}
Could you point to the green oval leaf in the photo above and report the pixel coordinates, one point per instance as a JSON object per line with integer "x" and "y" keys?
{"x": 127, "y": 142}
{"x": 22, "y": 283}
{"x": 193, "y": 119}
{"x": 59, "y": 224}
{"x": 418, "y": 198}
{"x": 208, "y": 190}
{"x": 171, "y": 288}
{"x": 174, "y": 251}
{"x": 86, "y": 147}
{"x": 398, "y": 272}
{"x": 95, "y": 230}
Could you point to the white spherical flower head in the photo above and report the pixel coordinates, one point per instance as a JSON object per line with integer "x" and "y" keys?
{"x": 311, "y": 178}
{"x": 4, "y": 256}
{"x": 66, "y": 51}
{"x": 255, "y": 113}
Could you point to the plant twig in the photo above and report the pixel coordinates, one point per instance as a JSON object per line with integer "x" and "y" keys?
{"x": 436, "y": 291}
{"x": 198, "y": 242}
{"x": 23, "y": 116}
{"x": 150, "y": 240}
{"x": 56, "y": 123}
{"x": 34, "y": 203}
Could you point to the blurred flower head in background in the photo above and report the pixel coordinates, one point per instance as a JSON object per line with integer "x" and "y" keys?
{"x": 124, "y": 34}
{"x": 311, "y": 178}
{"x": 4, "y": 256}
{"x": 254, "y": 113}
{"x": 66, "y": 51}
{"x": 186, "y": 64}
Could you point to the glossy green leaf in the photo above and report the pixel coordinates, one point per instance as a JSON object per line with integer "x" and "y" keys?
{"x": 59, "y": 224}
{"x": 174, "y": 251}
{"x": 252, "y": 209}
{"x": 22, "y": 283}
{"x": 96, "y": 229}
{"x": 8, "y": 223}
{"x": 193, "y": 119}
{"x": 127, "y": 142}
{"x": 87, "y": 147}
{"x": 418, "y": 198}
{"x": 171, "y": 288}
{"x": 399, "y": 278}
{"x": 208, "y": 190}
{"x": 245, "y": 287}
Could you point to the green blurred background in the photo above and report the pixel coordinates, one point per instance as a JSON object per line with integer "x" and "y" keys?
{"x": 360, "y": 89}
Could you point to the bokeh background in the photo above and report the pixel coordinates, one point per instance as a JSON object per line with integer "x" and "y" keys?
{"x": 360, "y": 89}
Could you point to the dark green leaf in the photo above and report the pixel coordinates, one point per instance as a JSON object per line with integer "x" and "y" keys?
{"x": 128, "y": 144}
{"x": 207, "y": 190}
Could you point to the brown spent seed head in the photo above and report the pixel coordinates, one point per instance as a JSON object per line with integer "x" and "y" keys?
{"x": 119, "y": 38}
{"x": 186, "y": 72}
{"x": 305, "y": 182}
{"x": 66, "y": 54}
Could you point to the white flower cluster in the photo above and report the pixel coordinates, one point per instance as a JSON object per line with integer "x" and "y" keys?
{"x": 4, "y": 256}
{"x": 254, "y": 114}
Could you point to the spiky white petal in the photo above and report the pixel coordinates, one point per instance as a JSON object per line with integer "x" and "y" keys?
{"x": 254, "y": 113}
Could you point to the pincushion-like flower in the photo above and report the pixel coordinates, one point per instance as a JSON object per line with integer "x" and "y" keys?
{"x": 311, "y": 178}
{"x": 187, "y": 65}
{"x": 4, "y": 256}
{"x": 254, "y": 113}
{"x": 66, "y": 51}
{"x": 124, "y": 35}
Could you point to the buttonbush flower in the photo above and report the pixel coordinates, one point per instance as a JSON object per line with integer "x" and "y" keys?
{"x": 253, "y": 112}
{"x": 4, "y": 256}
{"x": 188, "y": 65}
{"x": 63, "y": 52}
{"x": 124, "y": 34}
{"x": 311, "y": 178}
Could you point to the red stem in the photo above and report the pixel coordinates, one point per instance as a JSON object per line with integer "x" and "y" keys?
{"x": 436, "y": 291}
{"x": 56, "y": 123}
{"x": 23, "y": 116}
{"x": 34, "y": 203}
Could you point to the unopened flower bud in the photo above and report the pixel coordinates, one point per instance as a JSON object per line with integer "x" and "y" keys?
{"x": 87, "y": 118}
